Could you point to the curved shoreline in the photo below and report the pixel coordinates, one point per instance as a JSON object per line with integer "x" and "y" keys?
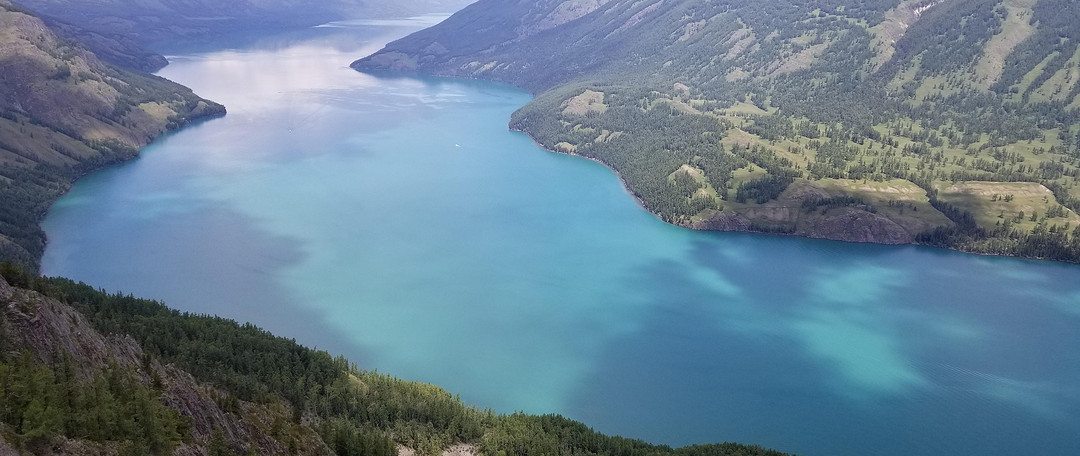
{"x": 641, "y": 204}
{"x": 118, "y": 161}
{"x": 618, "y": 175}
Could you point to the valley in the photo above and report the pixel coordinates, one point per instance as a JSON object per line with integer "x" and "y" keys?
{"x": 390, "y": 220}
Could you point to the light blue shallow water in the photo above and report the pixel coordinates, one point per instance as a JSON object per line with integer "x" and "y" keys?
{"x": 396, "y": 220}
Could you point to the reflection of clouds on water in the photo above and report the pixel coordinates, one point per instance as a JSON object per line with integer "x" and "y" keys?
{"x": 868, "y": 358}
{"x": 1069, "y": 302}
{"x": 843, "y": 322}
{"x": 426, "y": 20}
{"x": 431, "y": 96}
{"x": 715, "y": 282}
{"x": 998, "y": 267}
{"x": 1039, "y": 397}
{"x": 264, "y": 79}
{"x": 856, "y": 286}
{"x": 848, "y": 318}
{"x": 955, "y": 329}
{"x": 840, "y": 321}
{"x": 735, "y": 253}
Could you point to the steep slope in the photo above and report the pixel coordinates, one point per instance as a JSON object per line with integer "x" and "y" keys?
{"x": 63, "y": 112}
{"x": 69, "y": 389}
{"x": 193, "y": 375}
{"x": 711, "y": 110}
{"x": 153, "y": 21}
{"x": 116, "y": 49}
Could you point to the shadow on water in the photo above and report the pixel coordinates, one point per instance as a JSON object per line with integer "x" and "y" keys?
{"x": 219, "y": 262}
{"x": 842, "y": 358}
{"x": 682, "y": 367}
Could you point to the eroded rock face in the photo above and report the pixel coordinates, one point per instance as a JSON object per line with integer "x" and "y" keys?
{"x": 854, "y": 225}
{"x": 48, "y": 329}
{"x": 724, "y": 221}
{"x": 5, "y": 449}
{"x": 5, "y": 290}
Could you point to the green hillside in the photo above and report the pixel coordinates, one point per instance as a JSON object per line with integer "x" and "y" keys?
{"x": 943, "y": 122}
{"x": 64, "y": 113}
{"x": 114, "y": 48}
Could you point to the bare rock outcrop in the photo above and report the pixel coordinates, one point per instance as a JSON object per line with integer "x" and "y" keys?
{"x": 5, "y": 449}
{"x": 723, "y": 221}
{"x": 854, "y": 225}
{"x": 855, "y": 222}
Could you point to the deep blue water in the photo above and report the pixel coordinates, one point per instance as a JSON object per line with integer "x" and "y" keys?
{"x": 397, "y": 221}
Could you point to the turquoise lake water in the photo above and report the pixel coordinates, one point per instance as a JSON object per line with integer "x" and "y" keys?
{"x": 397, "y": 221}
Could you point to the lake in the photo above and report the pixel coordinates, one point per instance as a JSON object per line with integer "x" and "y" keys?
{"x": 397, "y": 221}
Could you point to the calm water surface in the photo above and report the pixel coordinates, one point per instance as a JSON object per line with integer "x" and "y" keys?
{"x": 396, "y": 220}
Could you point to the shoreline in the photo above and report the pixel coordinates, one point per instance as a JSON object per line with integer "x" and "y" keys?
{"x": 67, "y": 186}
{"x": 641, "y": 204}
{"x": 618, "y": 175}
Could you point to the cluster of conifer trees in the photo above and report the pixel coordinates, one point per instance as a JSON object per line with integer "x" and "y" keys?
{"x": 41, "y": 402}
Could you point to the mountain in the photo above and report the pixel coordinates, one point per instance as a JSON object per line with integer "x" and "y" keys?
{"x": 153, "y": 21}
{"x": 944, "y": 122}
{"x": 113, "y": 48}
{"x": 83, "y": 372}
{"x": 63, "y": 113}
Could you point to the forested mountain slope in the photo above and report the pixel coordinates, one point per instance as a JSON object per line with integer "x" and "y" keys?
{"x": 84, "y": 372}
{"x": 63, "y": 113}
{"x": 70, "y": 389}
{"x": 153, "y": 21}
{"x": 117, "y": 49}
{"x": 945, "y": 122}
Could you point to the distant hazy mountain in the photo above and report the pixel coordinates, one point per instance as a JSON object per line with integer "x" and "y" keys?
{"x": 946, "y": 122}
{"x": 113, "y": 48}
{"x": 151, "y": 21}
{"x": 991, "y": 44}
{"x": 64, "y": 112}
